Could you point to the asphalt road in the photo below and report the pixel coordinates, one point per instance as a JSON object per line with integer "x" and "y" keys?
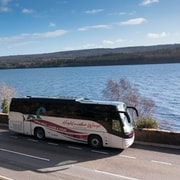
{"x": 23, "y": 157}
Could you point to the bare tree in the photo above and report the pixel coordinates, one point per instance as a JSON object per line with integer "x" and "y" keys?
{"x": 127, "y": 93}
{"x": 6, "y": 93}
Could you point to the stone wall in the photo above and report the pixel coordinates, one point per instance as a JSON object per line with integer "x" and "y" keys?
{"x": 157, "y": 136}
{"x": 3, "y": 118}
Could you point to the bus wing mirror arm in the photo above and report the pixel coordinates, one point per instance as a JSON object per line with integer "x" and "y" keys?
{"x": 131, "y": 107}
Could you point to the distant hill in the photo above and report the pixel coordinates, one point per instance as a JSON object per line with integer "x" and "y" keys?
{"x": 93, "y": 57}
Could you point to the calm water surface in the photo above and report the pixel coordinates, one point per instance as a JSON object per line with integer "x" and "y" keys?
{"x": 161, "y": 83}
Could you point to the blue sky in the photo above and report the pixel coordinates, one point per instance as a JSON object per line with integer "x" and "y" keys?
{"x": 43, "y": 26}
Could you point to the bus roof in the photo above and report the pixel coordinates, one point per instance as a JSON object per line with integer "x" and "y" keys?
{"x": 119, "y": 105}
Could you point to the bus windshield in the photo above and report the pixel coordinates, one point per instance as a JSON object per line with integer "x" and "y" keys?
{"x": 126, "y": 121}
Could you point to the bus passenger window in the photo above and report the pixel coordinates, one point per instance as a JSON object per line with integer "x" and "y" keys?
{"x": 116, "y": 126}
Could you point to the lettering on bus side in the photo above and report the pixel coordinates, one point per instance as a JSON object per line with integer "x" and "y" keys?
{"x": 88, "y": 125}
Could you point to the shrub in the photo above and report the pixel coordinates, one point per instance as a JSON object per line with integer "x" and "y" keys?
{"x": 146, "y": 123}
{"x": 5, "y": 106}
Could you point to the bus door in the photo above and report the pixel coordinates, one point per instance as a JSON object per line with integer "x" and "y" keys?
{"x": 114, "y": 129}
{"x": 27, "y": 123}
{"x": 114, "y": 136}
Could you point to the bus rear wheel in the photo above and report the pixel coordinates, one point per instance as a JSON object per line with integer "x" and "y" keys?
{"x": 95, "y": 141}
{"x": 39, "y": 133}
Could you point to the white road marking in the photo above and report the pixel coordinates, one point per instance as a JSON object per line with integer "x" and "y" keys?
{"x": 54, "y": 144}
{"x": 115, "y": 175}
{"x": 161, "y": 162}
{"x": 5, "y": 178}
{"x": 22, "y": 154}
{"x": 100, "y": 152}
{"x": 130, "y": 157}
{"x": 73, "y": 147}
{"x": 105, "y": 173}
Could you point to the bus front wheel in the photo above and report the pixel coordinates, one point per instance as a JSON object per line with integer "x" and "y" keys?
{"x": 39, "y": 133}
{"x": 95, "y": 141}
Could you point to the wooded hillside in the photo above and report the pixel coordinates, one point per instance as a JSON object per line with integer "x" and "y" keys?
{"x": 96, "y": 57}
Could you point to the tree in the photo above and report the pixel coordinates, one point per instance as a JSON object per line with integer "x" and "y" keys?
{"x": 6, "y": 93}
{"x": 127, "y": 93}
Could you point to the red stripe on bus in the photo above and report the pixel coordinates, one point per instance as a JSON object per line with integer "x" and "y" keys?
{"x": 60, "y": 129}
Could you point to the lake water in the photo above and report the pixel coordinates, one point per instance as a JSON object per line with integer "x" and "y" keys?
{"x": 161, "y": 83}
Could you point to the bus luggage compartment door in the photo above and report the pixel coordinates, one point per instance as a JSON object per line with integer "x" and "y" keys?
{"x": 16, "y": 122}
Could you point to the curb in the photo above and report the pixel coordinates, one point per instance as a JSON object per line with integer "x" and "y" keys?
{"x": 157, "y": 145}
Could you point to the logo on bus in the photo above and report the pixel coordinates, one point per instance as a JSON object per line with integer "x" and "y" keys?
{"x": 89, "y": 125}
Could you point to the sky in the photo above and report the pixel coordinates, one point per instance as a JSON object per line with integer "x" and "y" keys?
{"x": 44, "y": 26}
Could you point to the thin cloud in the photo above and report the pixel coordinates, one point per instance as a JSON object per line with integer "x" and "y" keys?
{"x": 135, "y": 21}
{"x": 13, "y": 38}
{"x": 110, "y": 42}
{"x": 52, "y": 24}
{"x": 103, "y": 44}
{"x": 27, "y": 11}
{"x": 4, "y": 9}
{"x": 121, "y": 13}
{"x": 86, "y": 28}
{"x": 94, "y": 11}
{"x": 156, "y": 35}
{"x": 4, "y": 5}
{"x": 4, "y": 2}
{"x": 88, "y": 46}
{"x": 50, "y": 34}
{"x": 117, "y": 13}
{"x": 148, "y": 2}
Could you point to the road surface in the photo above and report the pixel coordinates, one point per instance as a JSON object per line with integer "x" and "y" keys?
{"x": 24, "y": 157}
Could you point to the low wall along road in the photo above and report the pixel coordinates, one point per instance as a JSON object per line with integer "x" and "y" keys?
{"x": 158, "y": 137}
{"x": 149, "y": 136}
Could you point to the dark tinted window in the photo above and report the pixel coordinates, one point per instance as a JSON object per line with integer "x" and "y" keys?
{"x": 106, "y": 115}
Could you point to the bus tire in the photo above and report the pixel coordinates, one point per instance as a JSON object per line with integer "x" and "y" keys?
{"x": 95, "y": 141}
{"x": 39, "y": 133}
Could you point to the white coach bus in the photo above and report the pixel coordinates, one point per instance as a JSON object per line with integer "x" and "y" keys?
{"x": 97, "y": 123}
